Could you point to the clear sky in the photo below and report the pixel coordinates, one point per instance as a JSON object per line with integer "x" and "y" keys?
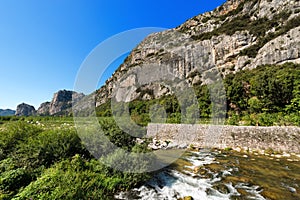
{"x": 43, "y": 43}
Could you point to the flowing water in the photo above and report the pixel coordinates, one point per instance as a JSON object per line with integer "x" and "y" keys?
{"x": 224, "y": 175}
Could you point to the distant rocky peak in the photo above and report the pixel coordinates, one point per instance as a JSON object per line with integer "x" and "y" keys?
{"x": 44, "y": 108}
{"x": 61, "y": 103}
{"x": 7, "y": 112}
{"x": 62, "y": 96}
{"x": 24, "y": 109}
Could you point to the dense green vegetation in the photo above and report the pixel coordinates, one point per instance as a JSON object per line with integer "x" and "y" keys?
{"x": 166, "y": 109}
{"x": 267, "y": 95}
{"x": 42, "y": 162}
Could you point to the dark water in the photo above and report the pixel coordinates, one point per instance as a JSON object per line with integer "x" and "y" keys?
{"x": 224, "y": 175}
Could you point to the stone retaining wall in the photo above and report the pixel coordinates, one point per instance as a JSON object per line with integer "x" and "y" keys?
{"x": 278, "y": 138}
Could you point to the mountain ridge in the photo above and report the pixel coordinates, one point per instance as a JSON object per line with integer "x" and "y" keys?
{"x": 61, "y": 104}
{"x": 236, "y": 36}
{"x": 7, "y": 112}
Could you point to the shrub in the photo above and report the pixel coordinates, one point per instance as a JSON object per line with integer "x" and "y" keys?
{"x": 13, "y": 134}
{"x": 12, "y": 180}
{"x": 49, "y": 147}
{"x": 78, "y": 178}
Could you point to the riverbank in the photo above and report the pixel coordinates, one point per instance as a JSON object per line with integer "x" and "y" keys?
{"x": 273, "y": 139}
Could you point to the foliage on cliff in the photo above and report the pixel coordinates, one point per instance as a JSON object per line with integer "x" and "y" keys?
{"x": 267, "y": 95}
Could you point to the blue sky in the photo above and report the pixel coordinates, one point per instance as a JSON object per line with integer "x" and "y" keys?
{"x": 43, "y": 43}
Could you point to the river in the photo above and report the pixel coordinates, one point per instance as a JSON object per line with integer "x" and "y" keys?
{"x": 224, "y": 175}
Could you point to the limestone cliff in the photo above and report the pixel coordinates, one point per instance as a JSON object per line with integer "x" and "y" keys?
{"x": 24, "y": 109}
{"x": 241, "y": 34}
{"x": 44, "y": 108}
{"x": 61, "y": 103}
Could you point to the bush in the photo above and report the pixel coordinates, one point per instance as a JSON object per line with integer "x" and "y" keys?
{"x": 233, "y": 119}
{"x": 12, "y": 180}
{"x": 78, "y": 178}
{"x": 13, "y": 134}
{"x": 49, "y": 147}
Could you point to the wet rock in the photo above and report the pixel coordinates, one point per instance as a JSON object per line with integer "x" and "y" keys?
{"x": 291, "y": 189}
{"x": 162, "y": 144}
{"x": 215, "y": 167}
{"x": 236, "y": 197}
{"x": 236, "y": 179}
{"x": 269, "y": 194}
{"x": 197, "y": 169}
{"x": 242, "y": 192}
{"x": 210, "y": 191}
{"x": 222, "y": 188}
{"x": 186, "y": 198}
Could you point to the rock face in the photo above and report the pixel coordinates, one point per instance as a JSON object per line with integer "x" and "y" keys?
{"x": 25, "y": 110}
{"x": 60, "y": 104}
{"x": 61, "y": 101}
{"x": 7, "y": 112}
{"x": 241, "y": 34}
{"x": 44, "y": 109}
